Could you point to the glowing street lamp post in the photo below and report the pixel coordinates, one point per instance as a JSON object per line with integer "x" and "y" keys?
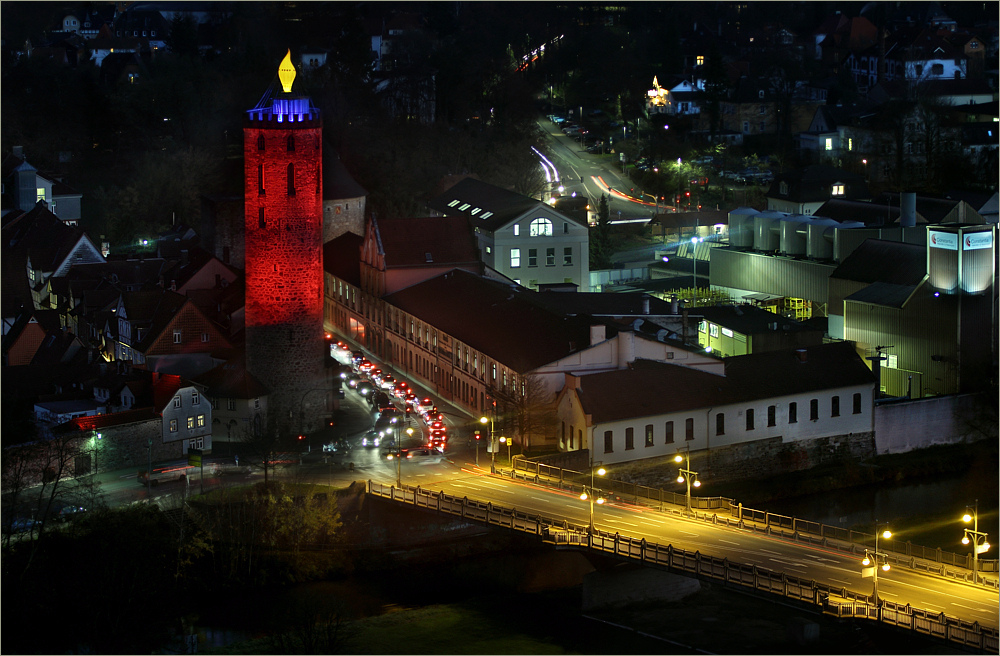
{"x": 980, "y": 545}
{"x": 871, "y": 564}
{"x": 504, "y": 440}
{"x": 685, "y": 475}
{"x": 493, "y": 447}
{"x": 589, "y": 493}
{"x": 694, "y": 266}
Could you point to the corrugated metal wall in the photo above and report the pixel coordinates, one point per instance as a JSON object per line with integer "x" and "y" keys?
{"x": 925, "y": 328}
{"x": 780, "y": 276}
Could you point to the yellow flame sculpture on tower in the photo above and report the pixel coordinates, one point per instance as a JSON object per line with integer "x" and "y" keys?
{"x": 286, "y": 73}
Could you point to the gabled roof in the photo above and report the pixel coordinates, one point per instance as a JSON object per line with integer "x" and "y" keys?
{"x": 884, "y": 293}
{"x": 485, "y": 205}
{"x": 933, "y": 210}
{"x": 231, "y": 380}
{"x": 427, "y": 241}
{"x": 98, "y": 422}
{"x": 652, "y": 388}
{"x": 338, "y": 183}
{"x": 165, "y": 388}
{"x": 495, "y": 318}
{"x": 342, "y": 257}
{"x": 877, "y": 260}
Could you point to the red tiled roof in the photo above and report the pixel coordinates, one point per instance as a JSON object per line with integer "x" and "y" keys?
{"x": 97, "y": 422}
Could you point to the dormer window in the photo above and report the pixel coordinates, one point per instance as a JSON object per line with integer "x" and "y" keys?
{"x": 517, "y": 229}
{"x": 838, "y": 189}
{"x": 783, "y": 188}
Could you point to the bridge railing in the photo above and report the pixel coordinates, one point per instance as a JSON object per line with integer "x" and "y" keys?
{"x": 908, "y": 554}
{"x": 840, "y": 602}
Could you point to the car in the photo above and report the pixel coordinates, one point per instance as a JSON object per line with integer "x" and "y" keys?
{"x": 372, "y": 438}
{"x": 400, "y": 389}
{"x": 19, "y": 525}
{"x": 423, "y": 454}
{"x": 410, "y": 398}
{"x": 387, "y": 382}
{"x": 366, "y": 367}
{"x": 431, "y": 417}
{"x": 357, "y": 357}
{"x": 437, "y": 442}
{"x": 365, "y": 388}
{"x": 380, "y": 401}
{"x": 63, "y": 512}
{"x": 424, "y": 404}
{"x": 439, "y": 435}
{"x": 353, "y": 380}
{"x": 437, "y": 425}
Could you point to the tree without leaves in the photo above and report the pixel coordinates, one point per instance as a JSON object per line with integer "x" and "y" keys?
{"x": 533, "y": 413}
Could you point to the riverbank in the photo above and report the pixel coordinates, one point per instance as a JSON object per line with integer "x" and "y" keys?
{"x": 448, "y": 609}
{"x": 977, "y": 460}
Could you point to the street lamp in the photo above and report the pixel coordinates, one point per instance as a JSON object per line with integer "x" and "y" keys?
{"x": 504, "y": 440}
{"x": 980, "y": 545}
{"x": 589, "y": 492}
{"x": 685, "y": 475}
{"x": 493, "y": 447}
{"x": 871, "y": 563}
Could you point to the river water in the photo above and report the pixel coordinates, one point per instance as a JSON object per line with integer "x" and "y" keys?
{"x": 927, "y": 512}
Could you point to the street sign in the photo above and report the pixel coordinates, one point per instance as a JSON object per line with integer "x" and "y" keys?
{"x": 194, "y": 457}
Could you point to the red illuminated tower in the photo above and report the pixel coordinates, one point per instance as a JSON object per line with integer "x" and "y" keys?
{"x": 282, "y": 155}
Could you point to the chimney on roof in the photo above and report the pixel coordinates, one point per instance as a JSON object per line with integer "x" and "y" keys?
{"x": 800, "y": 354}
{"x": 598, "y": 334}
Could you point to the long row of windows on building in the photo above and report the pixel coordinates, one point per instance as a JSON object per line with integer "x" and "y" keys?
{"x": 550, "y": 257}
{"x": 720, "y": 423}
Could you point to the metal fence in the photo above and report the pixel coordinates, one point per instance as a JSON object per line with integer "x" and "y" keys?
{"x": 839, "y": 602}
{"x": 634, "y": 493}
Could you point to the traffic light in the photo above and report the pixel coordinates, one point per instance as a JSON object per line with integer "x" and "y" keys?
{"x": 478, "y": 435}
{"x": 302, "y": 437}
{"x": 688, "y": 194}
{"x": 408, "y": 408}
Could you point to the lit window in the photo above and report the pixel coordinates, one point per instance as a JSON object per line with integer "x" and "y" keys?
{"x": 649, "y": 434}
{"x": 541, "y": 228}
{"x": 173, "y": 425}
{"x": 190, "y": 423}
{"x": 517, "y": 229}
{"x": 201, "y": 421}
{"x": 463, "y": 207}
{"x": 515, "y": 258}
{"x": 39, "y": 194}
{"x": 476, "y": 211}
{"x": 699, "y": 60}
{"x": 850, "y": 144}
{"x": 713, "y": 330}
{"x": 829, "y": 143}
{"x": 454, "y": 203}
{"x": 550, "y": 257}
{"x": 838, "y": 189}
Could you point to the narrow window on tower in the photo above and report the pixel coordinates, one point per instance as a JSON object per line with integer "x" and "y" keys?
{"x": 260, "y": 179}
{"x": 260, "y": 142}
{"x": 291, "y": 144}
{"x": 260, "y": 218}
{"x": 291, "y": 179}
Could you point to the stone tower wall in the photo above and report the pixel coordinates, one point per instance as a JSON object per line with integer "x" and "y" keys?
{"x": 284, "y": 268}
